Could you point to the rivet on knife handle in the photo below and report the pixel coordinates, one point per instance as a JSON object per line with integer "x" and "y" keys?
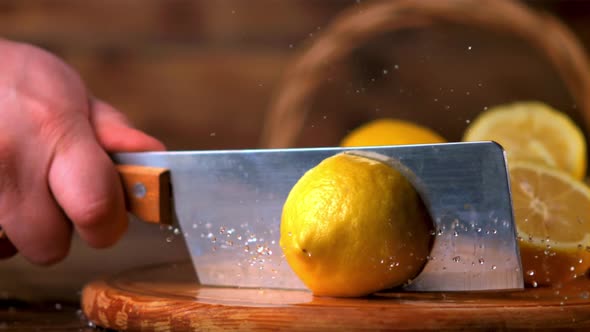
{"x": 147, "y": 192}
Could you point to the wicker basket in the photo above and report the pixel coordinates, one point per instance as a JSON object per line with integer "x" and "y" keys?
{"x": 354, "y": 27}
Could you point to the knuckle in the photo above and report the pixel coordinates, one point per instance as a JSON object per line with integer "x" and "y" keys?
{"x": 57, "y": 128}
{"x": 91, "y": 214}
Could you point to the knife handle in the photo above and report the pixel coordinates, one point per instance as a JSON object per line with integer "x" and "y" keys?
{"x": 147, "y": 192}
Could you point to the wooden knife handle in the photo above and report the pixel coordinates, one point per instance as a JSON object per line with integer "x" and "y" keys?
{"x": 147, "y": 192}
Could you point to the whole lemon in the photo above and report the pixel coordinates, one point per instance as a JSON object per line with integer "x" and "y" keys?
{"x": 354, "y": 225}
{"x": 388, "y": 131}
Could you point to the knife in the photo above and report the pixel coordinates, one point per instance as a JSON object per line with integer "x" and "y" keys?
{"x": 227, "y": 204}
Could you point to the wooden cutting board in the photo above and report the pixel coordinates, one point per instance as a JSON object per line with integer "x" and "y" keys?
{"x": 169, "y": 298}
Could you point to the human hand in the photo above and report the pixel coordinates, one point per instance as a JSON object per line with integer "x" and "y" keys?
{"x": 55, "y": 173}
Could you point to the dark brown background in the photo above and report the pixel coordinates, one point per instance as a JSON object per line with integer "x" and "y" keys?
{"x": 201, "y": 74}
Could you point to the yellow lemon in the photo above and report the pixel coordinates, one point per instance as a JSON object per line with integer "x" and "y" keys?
{"x": 354, "y": 225}
{"x": 552, "y": 215}
{"x": 533, "y": 131}
{"x": 390, "y": 132}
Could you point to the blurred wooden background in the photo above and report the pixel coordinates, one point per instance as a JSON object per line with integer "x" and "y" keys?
{"x": 200, "y": 74}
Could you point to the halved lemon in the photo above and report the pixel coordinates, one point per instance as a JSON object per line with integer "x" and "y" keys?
{"x": 388, "y": 131}
{"x": 533, "y": 131}
{"x": 552, "y": 215}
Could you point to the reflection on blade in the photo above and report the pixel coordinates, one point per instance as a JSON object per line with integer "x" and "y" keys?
{"x": 229, "y": 203}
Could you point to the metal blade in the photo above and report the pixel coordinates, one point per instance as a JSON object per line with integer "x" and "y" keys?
{"x": 228, "y": 205}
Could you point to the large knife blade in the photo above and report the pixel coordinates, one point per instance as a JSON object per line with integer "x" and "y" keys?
{"x": 228, "y": 206}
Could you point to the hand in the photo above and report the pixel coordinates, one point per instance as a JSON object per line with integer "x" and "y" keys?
{"x": 55, "y": 173}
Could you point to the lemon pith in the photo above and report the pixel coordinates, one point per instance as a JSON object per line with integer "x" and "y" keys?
{"x": 352, "y": 226}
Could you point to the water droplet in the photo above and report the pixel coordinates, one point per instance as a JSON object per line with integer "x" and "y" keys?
{"x": 481, "y": 261}
{"x": 572, "y": 268}
{"x": 447, "y": 107}
{"x": 580, "y": 261}
{"x": 530, "y": 272}
{"x": 494, "y": 267}
{"x": 176, "y": 231}
{"x": 247, "y": 248}
{"x": 169, "y": 239}
{"x": 455, "y": 233}
{"x": 534, "y": 284}
{"x": 221, "y": 230}
{"x": 195, "y": 226}
{"x": 478, "y": 230}
{"x": 469, "y": 48}
{"x": 457, "y": 259}
{"x": 58, "y": 306}
{"x": 396, "y": 67}
{"x": 385, "y": 71}
{"x": 585, "y": 295}
{"x": 467, "y": 121}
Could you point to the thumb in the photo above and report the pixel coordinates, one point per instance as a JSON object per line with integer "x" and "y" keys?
{"x": 115, "y": 133}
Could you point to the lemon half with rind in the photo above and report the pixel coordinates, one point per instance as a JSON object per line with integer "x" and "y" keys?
{"x": 389, "y": 131}
{"x": 552, "y": 214}
{"x": 533, "y": 131}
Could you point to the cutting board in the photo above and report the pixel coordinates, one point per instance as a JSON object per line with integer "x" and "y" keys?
{"x": 169, "y": 298}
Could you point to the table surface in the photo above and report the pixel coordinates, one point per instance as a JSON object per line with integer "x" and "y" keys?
{"x": 22, "y": 316}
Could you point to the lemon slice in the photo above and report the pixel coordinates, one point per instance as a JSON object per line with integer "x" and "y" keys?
{"x": 552, "y": 215}
{"x": 533, "y": 131}
{"x": 390, "y": 132}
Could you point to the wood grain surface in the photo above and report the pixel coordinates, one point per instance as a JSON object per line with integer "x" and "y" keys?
{"x": 169, "y": 298}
